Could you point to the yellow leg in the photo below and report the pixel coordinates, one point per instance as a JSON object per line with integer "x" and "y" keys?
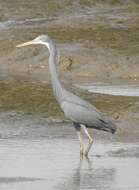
{"x": 90, "y": 141}
{"x": 81, "y": 143}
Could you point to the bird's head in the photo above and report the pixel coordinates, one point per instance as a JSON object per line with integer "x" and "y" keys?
{"x": 42, "y": 39}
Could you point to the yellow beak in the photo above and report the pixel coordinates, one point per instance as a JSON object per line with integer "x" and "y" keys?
{"x": 26, "y": 44}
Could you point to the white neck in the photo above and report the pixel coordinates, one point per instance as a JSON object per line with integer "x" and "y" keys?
{"x": 53, "y": 61}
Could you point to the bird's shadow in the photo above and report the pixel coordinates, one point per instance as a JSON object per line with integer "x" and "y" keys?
{"x": 85, "y": 176}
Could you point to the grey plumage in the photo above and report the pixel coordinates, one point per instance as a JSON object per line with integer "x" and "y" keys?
{"x": 82, "y": 112}
{"x": 79, "y": 111}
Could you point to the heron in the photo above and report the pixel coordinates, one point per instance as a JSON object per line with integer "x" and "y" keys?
{"x": 82, "y": 113}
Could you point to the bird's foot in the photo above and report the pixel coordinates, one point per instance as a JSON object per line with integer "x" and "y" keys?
{"x": 88, "y": 148}
{"x": 86, "y": 154}
{"x": 83, "y": 155}
{"x": 81, "y": 152}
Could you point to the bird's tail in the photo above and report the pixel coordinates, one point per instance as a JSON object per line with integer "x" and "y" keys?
{"x": 107, "y": 125}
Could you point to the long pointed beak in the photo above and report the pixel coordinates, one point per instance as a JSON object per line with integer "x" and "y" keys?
{"x": 26, "y": 44}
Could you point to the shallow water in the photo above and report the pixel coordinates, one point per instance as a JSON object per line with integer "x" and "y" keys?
{"x": 117, "y": 90}
{"x": 49, "y": 159}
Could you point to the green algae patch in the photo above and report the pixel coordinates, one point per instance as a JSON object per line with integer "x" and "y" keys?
{"x": 30, "y": 98}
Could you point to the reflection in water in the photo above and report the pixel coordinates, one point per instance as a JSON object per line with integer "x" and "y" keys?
{"x": 17, "y": 179}
{"x": 86, "y": 177}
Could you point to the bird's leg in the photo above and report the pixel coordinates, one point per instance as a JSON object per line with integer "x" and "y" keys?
{"x": 79, "y": 133}
{"x": 81, "y": 143}
{"x": 90, "y": 141}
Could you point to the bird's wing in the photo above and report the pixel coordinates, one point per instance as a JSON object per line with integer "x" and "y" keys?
{"x": 72, "y": 98}
{"x": 79, "y": 110}
{"x": 79, "y": 114}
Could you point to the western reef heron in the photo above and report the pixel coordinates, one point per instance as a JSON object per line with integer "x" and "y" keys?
{"x": 83, "y": 114}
